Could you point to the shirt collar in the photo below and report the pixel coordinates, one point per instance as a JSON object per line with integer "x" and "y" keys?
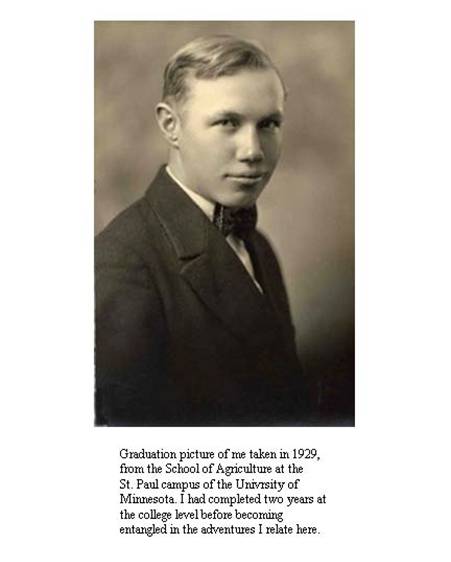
{"x": 206, "y": 206}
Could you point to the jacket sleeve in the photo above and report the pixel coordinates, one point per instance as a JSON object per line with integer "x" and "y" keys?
{"x": 130, "y": 339}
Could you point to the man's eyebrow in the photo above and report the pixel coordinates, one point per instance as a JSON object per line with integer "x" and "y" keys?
{"x": 226, "y": 115}
{"x": 278, "y": 115}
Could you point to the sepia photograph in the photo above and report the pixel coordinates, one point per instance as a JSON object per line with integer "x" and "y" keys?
{"x": 224, "y": 221}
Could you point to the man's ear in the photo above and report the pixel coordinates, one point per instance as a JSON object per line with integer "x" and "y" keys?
{"x": 169, "y": 123}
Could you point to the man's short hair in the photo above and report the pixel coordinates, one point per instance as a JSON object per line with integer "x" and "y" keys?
{"x": 210, "y": 57}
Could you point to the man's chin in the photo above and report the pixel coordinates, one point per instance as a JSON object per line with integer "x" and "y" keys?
{"x": 240, "y": 199}
{"x": 238, "y": 202}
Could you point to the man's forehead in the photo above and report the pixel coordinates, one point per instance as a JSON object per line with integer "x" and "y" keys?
{"x": 260, "y": 89}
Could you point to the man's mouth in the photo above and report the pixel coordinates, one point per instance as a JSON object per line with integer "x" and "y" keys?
{"x": 247, "y": 177}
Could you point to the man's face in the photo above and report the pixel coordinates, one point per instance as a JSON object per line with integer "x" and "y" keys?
{"x": 230, "y": 136}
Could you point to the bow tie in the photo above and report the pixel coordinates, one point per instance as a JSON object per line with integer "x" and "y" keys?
{"x": 240, "y": 222}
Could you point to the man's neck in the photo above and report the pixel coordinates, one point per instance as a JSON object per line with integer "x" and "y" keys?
{"x": 206, "y": 206}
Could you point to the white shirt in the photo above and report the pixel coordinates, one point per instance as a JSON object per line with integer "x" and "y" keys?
{"x": 234, "y": 242}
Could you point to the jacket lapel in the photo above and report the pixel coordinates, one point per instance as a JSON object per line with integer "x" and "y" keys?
{"x": 210, "y": 266}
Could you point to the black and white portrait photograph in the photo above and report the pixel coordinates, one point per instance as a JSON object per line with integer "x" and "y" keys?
{"x": 224, "y": 219}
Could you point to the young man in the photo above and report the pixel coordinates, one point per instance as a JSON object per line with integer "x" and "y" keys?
{"x": 192, "y": 319}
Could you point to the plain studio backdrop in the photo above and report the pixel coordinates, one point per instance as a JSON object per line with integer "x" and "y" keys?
{"x": 307, "y": 209}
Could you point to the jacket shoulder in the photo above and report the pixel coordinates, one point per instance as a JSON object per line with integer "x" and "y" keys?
{"x": 126, "y": 230}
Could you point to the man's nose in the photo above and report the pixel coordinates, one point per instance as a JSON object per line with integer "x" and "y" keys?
{"x": 249, "y": 147}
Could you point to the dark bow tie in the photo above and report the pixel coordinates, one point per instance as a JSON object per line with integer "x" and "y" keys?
{"x": 239, "y": 222}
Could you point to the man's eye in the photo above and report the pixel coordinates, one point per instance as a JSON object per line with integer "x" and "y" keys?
{"x": 270, "y": 124}
{"x": 229, "y": 123}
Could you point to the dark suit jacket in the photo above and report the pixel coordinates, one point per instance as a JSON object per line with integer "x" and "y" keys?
{"x": 183, "y": 336}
